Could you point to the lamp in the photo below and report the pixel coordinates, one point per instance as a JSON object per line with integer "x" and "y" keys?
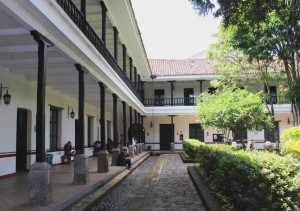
{"x": 151, "y": 124}
{"x": 6, "y": 97}
{"x": 72, "y": 113}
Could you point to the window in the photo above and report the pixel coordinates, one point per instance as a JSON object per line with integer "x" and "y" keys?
{"x": 53, "y": 128}
{"x": 188, "y": 96}
{"x": 273, "y": 94}
{"x": 243, "y": 134}
{"x": 196, "y": 132}
{"x": 159, "y": 95}
{"x": 269, "y": 133}
{"x": 218, "y": 137}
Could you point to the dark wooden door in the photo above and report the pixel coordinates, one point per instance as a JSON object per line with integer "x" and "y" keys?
{"x": 21, "y": 145}
{"x": 165, "y": 134}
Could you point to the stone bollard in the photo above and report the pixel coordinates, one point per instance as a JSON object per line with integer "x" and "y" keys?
{"x": 172, "y": 147}
{"x": 136, "y": 151}
{"x": 40, "y": 184}
{"x": 140, "y": 147}
{"x": 81, "y": 169}
{"x": 114, "y": 156}
{"x": 143, "y": 147}
{"x": 102, "y": 158}
{"x": 131, "y": 150}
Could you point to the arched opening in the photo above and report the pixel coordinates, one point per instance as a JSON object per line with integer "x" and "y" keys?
{"x": 134, "y": 130}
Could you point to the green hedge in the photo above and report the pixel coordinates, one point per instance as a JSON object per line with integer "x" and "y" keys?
{"x": 250, "y": 180}
{"x": 291, "y": 141}
{"x": 189, "y": 146}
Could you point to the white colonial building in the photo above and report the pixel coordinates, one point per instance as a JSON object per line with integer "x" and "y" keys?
{"x": 60, "y": 58}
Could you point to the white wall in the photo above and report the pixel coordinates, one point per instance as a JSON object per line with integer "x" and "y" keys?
{"x": 23, "y": 95}
{"x": 181, "y": 123}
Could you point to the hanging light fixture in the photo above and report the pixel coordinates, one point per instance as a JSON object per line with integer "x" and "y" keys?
{"x": 6, "y": 96}
{"x": 72, "y": 113}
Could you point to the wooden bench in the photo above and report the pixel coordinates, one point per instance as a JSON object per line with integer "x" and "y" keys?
{"x": 65, "y": 159}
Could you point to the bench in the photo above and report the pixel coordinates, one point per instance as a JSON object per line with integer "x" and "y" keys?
{"x": 65, "y": 159}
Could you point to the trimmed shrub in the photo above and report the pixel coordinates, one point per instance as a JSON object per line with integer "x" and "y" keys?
{"x": 291, "y": 139}
{"x": 189, "y": 147}
{"x": 250, "y": 180}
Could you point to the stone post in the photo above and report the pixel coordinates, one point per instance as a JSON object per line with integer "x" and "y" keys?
{"x": 114, "y": 156}
{"x": 102, "y": 157}
{"x": 81, "y": 169}
{"x": 136, "y": 151}
{"x": 131, "y": 151}
{"x": 40, "y": 184}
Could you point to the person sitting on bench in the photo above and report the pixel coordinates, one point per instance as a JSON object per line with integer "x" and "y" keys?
{"x": 97, "y": 146}
{"x": 69, "y": 151}
{"x": 124, "y": 159}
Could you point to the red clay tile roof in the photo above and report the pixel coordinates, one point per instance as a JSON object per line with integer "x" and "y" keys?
{"x": 162, "y": 67}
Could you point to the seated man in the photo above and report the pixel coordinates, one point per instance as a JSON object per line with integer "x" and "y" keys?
{"x": 124, "y": 159}
{"x": 97, "y": 146}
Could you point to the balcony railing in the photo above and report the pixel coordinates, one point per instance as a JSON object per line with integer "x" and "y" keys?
{"x": 278, "y": 100}
{"x": 191, "y": 101}
{"x": 78, "y": 18}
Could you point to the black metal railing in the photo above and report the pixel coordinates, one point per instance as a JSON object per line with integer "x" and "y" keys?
{"x": 192, "y": 101}
{"x": 277, "y": 99}
{"x": 189, "y": 101}
{"x": 78, "y": 18}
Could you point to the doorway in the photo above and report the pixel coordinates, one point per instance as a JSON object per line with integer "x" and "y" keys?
{"x": 21, "y": 142}
{"x": 133, "y": 130}
{"x": 159, "y": 96}
{"x": 188, "y": 96}
{"x": 165, "y": 134}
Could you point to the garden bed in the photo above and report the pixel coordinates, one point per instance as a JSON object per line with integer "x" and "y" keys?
{"x": 185, "y": 159}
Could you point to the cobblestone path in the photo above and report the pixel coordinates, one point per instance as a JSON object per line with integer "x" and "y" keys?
{"x": 160, "y": 183}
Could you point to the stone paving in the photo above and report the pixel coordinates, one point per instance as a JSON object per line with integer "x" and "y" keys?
{"x": 159, "y": 183}
{"x": 14, "y": 189}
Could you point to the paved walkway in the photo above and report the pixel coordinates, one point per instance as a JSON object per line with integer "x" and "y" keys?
{"x": 14, "y": 190}
{"x": 159, "y": 183}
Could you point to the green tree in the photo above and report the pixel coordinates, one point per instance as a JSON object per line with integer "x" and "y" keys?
{"x": 263, "y": 30}
{"x": 233, "y": 109}
{"x": 235, "y": 68}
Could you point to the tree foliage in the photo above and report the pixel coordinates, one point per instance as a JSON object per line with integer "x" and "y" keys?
{"x": 235, "y": 68}
{"x": 233, "y": 109}
{"x": 263, "y": 30}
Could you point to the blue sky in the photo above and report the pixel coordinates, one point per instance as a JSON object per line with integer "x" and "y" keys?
{"x": 172, "y": 30}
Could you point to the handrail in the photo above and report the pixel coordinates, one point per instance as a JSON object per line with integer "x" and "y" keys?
{"x": 192, "y": 101}
{"x": 78, "y": 18}
{"x": 188, "y": 101}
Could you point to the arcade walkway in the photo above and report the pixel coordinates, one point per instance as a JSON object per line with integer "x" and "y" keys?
{"x": 14, "y": 193}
